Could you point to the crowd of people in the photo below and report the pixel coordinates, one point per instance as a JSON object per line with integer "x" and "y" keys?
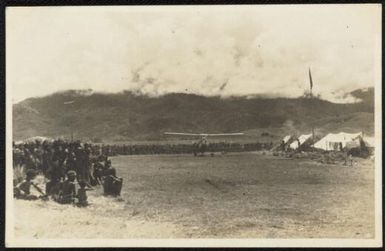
{"x": 65, "y": 165}
{"x": 167, "y": 148}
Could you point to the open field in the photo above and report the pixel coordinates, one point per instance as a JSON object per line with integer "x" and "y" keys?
{"x": 243, "y": 195}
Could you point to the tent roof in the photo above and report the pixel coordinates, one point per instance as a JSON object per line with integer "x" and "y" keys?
{"x": 302, "y": 139}
{"x": 341, "y": 137}
{"x": 286, "y": 138}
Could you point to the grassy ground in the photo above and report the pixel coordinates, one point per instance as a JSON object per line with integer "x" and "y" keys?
{"x": 243, "y": 195}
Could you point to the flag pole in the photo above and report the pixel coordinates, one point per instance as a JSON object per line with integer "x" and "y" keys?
{"x": 311, "y": 102}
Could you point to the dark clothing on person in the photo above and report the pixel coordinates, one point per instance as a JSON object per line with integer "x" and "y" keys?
{"x": 67, "y": 192}
{"x": 112, "y": 185}
{"x": 98, "y": 172}
{"x": 82, "y": 164}
{"x": 82, "y": 197}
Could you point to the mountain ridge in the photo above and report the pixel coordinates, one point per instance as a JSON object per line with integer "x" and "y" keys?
{"x": 128, "y": 116}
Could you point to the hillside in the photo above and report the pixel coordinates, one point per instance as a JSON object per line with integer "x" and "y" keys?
{"x": 126, "y": 116}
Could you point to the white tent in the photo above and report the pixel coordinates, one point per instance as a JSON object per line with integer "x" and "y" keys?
{"x": 354, "y": 143}
{"x": 334, "y": 141}
{"x": 301, "y": 139}
{"x": 286, "y": 139}
{"x": 369, "y": 141}
{"x": 284, "y": 143}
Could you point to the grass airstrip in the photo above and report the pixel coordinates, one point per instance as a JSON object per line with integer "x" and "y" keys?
{"x": 235, "y": 195}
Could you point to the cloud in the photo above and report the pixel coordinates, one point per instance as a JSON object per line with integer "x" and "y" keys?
{"x": 258, "y": 49}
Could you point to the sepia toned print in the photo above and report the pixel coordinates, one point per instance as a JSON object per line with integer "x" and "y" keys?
{"x": 211, "y": 126}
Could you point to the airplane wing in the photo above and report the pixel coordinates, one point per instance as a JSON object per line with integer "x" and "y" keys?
{"x": 182, "y": 133}
{"x": 224, "y": 134}
{"x": 204, "y": 134}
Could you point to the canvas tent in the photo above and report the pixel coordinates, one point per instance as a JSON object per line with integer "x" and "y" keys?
{"x": 369, "y": 141}
{"x": 286, "y": 139}
{"x": 355, "y": 143}
{"x": 300, "y": 141}
{"x": 334, "y": 142}
{"x": 284, "y": 143}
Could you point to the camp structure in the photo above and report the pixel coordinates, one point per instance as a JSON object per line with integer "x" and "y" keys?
{"x": 369, "y": 143}
{"x": 301, "y": 141}
{"x": 281, "y": 145}
{"x": 338, "y": 141}
{"x": 286, "y": 139}
{"x": 285, "y": 143}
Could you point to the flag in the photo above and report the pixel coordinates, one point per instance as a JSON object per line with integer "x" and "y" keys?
{"x": 311, "y": 80}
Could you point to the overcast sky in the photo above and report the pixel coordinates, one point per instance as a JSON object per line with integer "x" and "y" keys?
{"x": 210, "y": 50}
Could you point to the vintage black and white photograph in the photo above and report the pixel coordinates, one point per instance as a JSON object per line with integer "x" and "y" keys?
{"x": 216, "y": 125}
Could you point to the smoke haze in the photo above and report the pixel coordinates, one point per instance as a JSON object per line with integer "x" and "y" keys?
{"x": 209, "y": 50}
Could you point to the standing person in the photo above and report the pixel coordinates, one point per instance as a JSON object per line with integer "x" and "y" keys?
{"x": 29, "y": 160}
{"x": 351, "y": 159}
{"x": 82, "y": 194}
{"x": 71, "y": 160}
{"x": 57, "y": 170}
{"x": 61, "y": 157}
{"x": 45, "y": 160}
{"x": 79, "y": 163}
{"x": 299, "y": 144}
{"x": 38, "y": 158}
{"x": 345, "y": 158}
{"x": 87, "y": 163}
{"x": 82, "y": 164}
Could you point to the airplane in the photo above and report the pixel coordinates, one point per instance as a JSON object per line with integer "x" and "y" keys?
{"x": 202, "y": 145}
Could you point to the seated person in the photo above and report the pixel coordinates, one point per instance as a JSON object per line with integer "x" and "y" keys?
{"x": 98, "y": 172}
{"x": 52, "y": 186}
{"x": 112, "y": 185}
{"x": 23, "y": 189}
{"x": 67, "y": 191}
{"x": 54, "y": 189}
